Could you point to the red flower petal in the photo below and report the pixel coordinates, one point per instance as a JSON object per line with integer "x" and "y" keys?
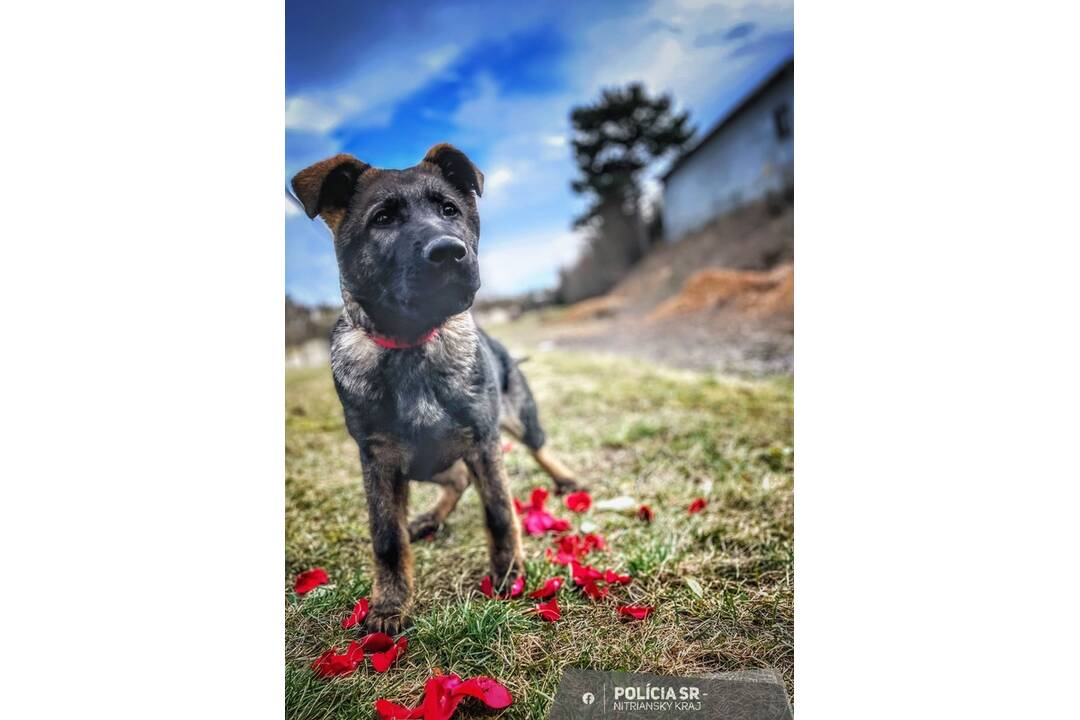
{"x": 507, "y": 446}
{"x": 549, "y": 589}
{"x": 518, "y": 507}
{"x": 442, "y": 695}
{"x": 392, "y": 711}
{"x": 537, "y": 498}
{"x": 560, "y": 557}
{"x": 594, "y": 591}
{"x": 610, "y": 577}
{"x": 439, "y": 702}
{"x": 537, "y": 523}
{"x": 697, "y": 506}
{"x": 645, "y": 513}
{"x": 560, "y": 525}
{"x": 583, "y": 574}
{"x": 376, "y": 642}
{"x": 487, "y": 690}
{"x": 488, "y": 588}
{"x": 578, "y": 502}
{"x": 358, "y": 614}
{"x": 330, "y": 664}
{"x": 383, "y": 660}
{"x": 637, "y": 612}
{"x": 310, "y": 579}
{"x": 594, "y": 541}
{"x": 549, "y": 610}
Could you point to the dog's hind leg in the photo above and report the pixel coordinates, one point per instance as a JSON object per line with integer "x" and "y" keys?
{"x": 454, "y": 482}
{"x": 561, "y": 475}
{"x": 522, "y": 424}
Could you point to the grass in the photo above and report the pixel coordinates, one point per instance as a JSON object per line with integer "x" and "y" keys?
{"x": 628, "y": 428}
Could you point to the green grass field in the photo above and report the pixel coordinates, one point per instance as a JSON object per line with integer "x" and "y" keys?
{"x": 664, "y": 437}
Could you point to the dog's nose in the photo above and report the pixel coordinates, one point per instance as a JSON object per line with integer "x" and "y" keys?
{"x": 445, "y": 250}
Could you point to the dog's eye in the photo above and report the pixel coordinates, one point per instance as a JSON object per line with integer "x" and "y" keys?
{"x": 449, "y": 209}
{"x": 382, "y": 218}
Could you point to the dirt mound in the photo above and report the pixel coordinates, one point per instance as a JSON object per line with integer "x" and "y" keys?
{"x": 760, "y": 294}
{"x": 752, "y": 238}
{"x": 593, "y": 309}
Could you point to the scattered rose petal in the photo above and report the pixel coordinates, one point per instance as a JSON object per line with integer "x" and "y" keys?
{"x": 611, "y": 577}
{"x": 637, "y": 612}
{"x": 549, "y": 610}
{"x": 392, "y": 711}
{"x": 537, "y": 498}
{"x": 535, "y": 519}
{"x": 382, "y": 661}
{"x": 594, "y": 591}
{"x": 584, "y": 574}
{"x": 487, "y": 690}
{"x": 549, "y": 589}
{"x": 697, "y": 506}
{"x": 578, "y": 501}
{"x": 358, "y": 614}
{"x": 594, "y": 542}
{"x": 573, "y": 547}
{"x": 310, "y": 579}
{"x": 507, "y": 446}
{"x": 330, "y": 664}
{"x": 645, "y": 513}
{"x": 560, "y": 525}
{"x": 442, "y": 695}
{"x": 376, "y": 642}
{"x": 488, "y": 588}
{"x": 559, "y": 557}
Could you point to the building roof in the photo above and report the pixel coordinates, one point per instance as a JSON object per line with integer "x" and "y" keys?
{"x": 726, "y": 120}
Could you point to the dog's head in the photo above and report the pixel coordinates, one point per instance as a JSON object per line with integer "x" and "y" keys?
{"x": 406, "y": 240}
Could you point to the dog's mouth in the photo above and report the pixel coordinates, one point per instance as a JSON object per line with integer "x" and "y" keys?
{"x": 420, "y": 309}
{"x": 448, "y": 298}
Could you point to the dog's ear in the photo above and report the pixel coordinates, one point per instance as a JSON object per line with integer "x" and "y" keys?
{"x": 456, "y": 168}
{"x": 325, "y": 187}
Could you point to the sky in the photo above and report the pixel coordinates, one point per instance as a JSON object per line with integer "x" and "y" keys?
{"x": 385, "y": 81}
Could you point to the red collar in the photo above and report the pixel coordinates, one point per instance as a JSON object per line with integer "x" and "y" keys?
{"x": 390, "y": 343}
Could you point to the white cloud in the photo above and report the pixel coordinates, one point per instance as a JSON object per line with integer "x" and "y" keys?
{"x": 527, "y": 261}
{"x": 369, "y": 97}
{"x": 498, "y": 178}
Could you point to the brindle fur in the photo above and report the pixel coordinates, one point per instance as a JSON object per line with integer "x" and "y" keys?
{"x": 431, "y": 412}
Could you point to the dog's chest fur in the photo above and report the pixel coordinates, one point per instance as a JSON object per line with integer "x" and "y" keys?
{"x": 415, "y": 409}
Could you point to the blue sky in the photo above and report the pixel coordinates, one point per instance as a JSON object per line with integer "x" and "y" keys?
{"x": 386, "y": 81}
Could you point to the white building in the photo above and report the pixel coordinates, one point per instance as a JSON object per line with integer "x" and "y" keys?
{"x": 746, "y": 157}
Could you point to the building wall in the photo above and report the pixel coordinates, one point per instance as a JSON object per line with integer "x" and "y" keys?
{"x": 745, "y": 162}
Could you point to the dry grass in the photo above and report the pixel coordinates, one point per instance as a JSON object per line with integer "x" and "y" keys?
{"x": 664, "y": 437}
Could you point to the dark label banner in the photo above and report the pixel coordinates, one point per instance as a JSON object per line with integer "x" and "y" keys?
{"x": 592, "y": 695}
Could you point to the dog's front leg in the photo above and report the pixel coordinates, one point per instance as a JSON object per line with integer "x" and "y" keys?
{"x": 388, "y": 499}
{"x": 503, "y": 528}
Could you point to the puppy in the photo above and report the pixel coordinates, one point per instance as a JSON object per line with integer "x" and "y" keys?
{"x": 425, "y": 392}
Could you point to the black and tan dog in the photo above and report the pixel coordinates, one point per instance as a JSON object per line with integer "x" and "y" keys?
{"x": 425, "y": 391}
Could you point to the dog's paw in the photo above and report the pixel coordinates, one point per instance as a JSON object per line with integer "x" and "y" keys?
{"x": 386, "y": 619}
{"x": 423, "y": 527}
{"x": 565, "y": 486}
